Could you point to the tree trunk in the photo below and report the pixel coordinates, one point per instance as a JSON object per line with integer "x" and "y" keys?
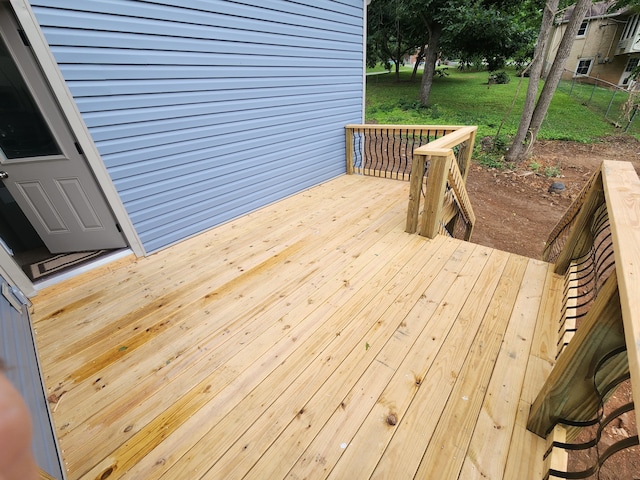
{"x": 431, "y": 57}
{"x": 555, "y": 73}
{"x": 397, "y": 57}
{"x": 517, "y": 150}
{"x": 419, "y": 58}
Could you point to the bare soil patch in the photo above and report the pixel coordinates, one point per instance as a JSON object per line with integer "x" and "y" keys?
{"x": 514, "y": 209}
{"x": 516, "y": 212}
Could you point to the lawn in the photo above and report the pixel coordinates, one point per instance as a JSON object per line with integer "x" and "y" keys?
{"x": 465, "y": 98}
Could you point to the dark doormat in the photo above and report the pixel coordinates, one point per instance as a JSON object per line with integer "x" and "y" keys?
{"x": 59, "y": 263}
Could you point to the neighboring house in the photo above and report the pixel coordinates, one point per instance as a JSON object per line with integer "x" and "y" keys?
{"x": 151, "y": 121}
{"x": 607, "y": 46}
{"x": 137, "y": 124}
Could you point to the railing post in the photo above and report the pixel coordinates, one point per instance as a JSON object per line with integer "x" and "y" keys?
{"x": 434, "y": 195}
{"x": 349, "y": 148}
{"x": 415, "y": 192}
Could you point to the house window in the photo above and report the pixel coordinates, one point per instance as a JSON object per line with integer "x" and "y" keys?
{"x": 626, "y": 79}
{"x": 631, "y": 28}
{"x": 582, "y": 31}
{"x": 633, "y": 63}
{"x": 584, "y": 65}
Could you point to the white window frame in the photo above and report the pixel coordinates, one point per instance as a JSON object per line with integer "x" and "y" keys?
{"x": 632, "y": 64}
{"x": 580, "y": 60}
{"x": 625, "y": 79}
{"x": 584, "y": 30}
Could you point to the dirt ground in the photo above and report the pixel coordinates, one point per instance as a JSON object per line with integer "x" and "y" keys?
{"x": 515, "y": 212}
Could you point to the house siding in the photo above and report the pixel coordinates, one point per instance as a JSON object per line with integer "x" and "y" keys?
{"x": 208, "y": 110}
{"x": 18, "y": 351}
{"x": 599, "y": 44}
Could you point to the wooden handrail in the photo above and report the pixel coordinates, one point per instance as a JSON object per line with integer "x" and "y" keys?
{"x": 399, "y": 128}
{"x": 439, "y": 153}
{"x": 458, "y": 185}
{"x": 445, "y": 174}
{"x": 463, "y": 136}
{"x": 387, "y": 150}
{"x": 442, "y": 144}
{"x": 612, "y": 322}
{"x": 622, "y": 192}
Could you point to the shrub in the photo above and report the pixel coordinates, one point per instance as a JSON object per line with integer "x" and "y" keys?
{"x": 499, "y": 77}
{"x": 441, "y": 72}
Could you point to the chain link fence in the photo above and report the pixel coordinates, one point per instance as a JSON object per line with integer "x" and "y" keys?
{"x": 618, "y": 105}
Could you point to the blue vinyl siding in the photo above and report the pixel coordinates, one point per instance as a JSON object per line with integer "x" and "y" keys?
{"x": 18, "y": 350}
{"x": 210, "y": 109}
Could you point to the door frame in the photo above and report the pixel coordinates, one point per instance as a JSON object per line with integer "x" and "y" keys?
{"x": 63, "y": 97}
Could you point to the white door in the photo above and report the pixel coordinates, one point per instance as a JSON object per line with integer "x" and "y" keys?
{"x": 40, "y": 163}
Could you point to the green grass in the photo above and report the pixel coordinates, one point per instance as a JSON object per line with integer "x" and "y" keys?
{"x": 604, "y": 101}
{"x": 377, "y": 69}
{"x": 464, "y": 98}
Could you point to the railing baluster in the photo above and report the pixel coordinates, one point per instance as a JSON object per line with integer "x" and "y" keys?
{"x": 389, "y": 152}
{"x": 568, "y": 392}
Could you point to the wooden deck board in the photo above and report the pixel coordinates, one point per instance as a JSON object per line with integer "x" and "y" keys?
{"x": 439, "y": 339}
{"x": 495, "y": 424}
{"x": 232, "y": 321}
{"x": 285, "y": 385}
{"x": 309, "y": 414}
{"x": 142, "y": 331}
{"x": 311, "y": 339}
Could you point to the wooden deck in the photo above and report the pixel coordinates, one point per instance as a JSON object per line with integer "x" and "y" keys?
{"x": 311, "y": 339}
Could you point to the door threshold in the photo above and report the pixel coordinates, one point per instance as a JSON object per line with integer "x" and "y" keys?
{"x": 105, "y": 259}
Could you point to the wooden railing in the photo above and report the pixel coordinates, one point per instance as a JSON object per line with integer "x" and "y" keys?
{"x": 597, "y": 247}
{"x": 441, "y": 153}
{"x": 447, "y": 209}
{"x": 387, "y": 150}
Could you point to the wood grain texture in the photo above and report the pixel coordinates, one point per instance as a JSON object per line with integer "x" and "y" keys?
{"x": 415, "y": 194}
{"x": 434, "y": 194}
{"x": 622, "y": 191}
{"x": 311, "y": 338}
{"x": 569, "y": 390}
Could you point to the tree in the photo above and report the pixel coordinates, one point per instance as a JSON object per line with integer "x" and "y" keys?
{"x": 491, "y": 29}
{"x": 392, "y": 35}
{"x": 532, "y": 118}
{"x": 483, "y": 31}
{"x": 433, "y": 16}
{"x": 484, "y": 28}
{"x": 517, "y": 149}
{"x": 398, "y": 27}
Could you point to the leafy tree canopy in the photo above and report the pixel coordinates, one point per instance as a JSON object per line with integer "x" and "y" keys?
{"x": 488, "y": 34}
{"x": 494, "y": 30}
